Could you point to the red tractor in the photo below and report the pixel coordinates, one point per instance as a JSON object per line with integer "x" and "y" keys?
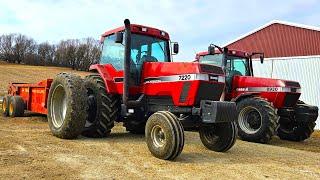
{"x": 137, "y": 84}
{"x": 266, "y": 106}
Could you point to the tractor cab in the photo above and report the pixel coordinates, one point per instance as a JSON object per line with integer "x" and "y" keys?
{"x": 147, "y": 45}
{"x": 234, "y": 62}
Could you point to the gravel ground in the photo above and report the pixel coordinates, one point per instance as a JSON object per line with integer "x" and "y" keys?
{"x": 28, "y": 150}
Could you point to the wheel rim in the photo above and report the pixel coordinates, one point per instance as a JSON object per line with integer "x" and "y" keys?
{"x": 92, "y": 111}
{"x": 250, "y": 120}
{"x": 287, "y": 128}
{"x": 11, "y": 108}
{"x": 210, "y": 135}
{"x": 4, "y": 105}
{"x": 58, "y": 106}
{"x": 158, "y": 136}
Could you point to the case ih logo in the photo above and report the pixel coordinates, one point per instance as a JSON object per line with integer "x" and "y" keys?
{"x": 270, "y": 89}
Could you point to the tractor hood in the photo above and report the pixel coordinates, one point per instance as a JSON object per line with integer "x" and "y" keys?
{"x": 257, "y": 84}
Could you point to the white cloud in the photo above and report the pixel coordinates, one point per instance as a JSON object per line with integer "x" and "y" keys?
{"x": 193, "y": 23}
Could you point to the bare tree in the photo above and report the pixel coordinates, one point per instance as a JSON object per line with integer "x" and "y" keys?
{"x": 73, "y": 53}
{"x": 46, "y": 53}
{"x": 6, "y": 47}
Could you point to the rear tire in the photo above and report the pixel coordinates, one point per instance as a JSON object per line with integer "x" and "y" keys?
{"x": 67, "y": 106}
{"x": 164, "y": 135}
{"x": 257, "y": 120}
{"x": 5, "y": 106}
{"x": 296, "y": 132}
{"x": 103, "y": 108}
{"x": 16, "y": 106}
{"x": 295, "y": 129}
{"x": 219, "y": 137}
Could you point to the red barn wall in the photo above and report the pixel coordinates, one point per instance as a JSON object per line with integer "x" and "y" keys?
{"x": 280, "y": 40}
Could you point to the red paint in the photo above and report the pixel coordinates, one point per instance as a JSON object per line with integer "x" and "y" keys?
{"x": 34, "y": 95}
{"x": 276, "y": 98}
{"x": 155, "y": 69}
{"x": 135, "y": 28}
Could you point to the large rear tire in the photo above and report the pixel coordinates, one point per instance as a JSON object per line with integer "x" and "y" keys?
{"x": 103, "y": 108}
{"x": 67, "y": 106}
{"x": 164, "y": 135}
{"x": 16, "y": 106}
{"x": 295, "y": 129}
{"x": 5, "y": 106}
{"x": 219, "y": 137}
{"x": 257, "y": 120}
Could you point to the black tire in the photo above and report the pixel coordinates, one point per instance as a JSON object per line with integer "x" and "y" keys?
{"x": 257, "y": 120}
{"x": 292, "y": 129}
{"x": 296, "y": 131}
{"x": 103, "y": 108}
{"x": 67, "y": 106}
{"x": 135, "y": 127}
{"x": 164, "y": 135}
{"x": 219, "y": 137}
{"x": 5, "y": 106}
{"x": 16, "y": 106}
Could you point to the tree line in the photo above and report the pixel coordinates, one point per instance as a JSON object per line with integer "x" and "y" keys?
{"x": 77, "y": 54}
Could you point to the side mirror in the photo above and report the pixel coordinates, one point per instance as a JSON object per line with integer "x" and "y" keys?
{"x": 175, "y": 48}
{"x": 211, "y": 49}
{"x": 119, "y": 37}
{"x": 261, "y": 59}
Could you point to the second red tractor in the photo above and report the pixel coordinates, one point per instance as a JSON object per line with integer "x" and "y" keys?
{"x": 266, "y": 106}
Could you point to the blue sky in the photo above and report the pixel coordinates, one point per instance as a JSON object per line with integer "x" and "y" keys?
{"x": 194, "y": 24}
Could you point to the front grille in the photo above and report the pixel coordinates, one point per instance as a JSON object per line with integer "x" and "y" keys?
{"x": 211, "y": 69}
{"x": 292, "y": 84}
{"x": 209, "y": 91}
{"x": 291, "y": 99}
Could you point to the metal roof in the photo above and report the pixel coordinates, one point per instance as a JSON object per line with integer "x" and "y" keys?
{"x": 280, "y": 39}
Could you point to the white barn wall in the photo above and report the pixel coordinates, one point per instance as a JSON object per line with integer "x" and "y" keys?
{"x": 305, "y": 70}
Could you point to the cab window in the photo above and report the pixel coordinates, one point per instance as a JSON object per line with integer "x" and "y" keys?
{"x": 237, "y": 66}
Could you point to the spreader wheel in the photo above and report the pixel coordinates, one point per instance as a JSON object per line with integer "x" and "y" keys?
{"x": 67, "y": 106}
{"x": 16, "y": 106}
{"x": 5, "y": 106}
{"x": 219, "y": 137}
{"x": 164, "y": 135}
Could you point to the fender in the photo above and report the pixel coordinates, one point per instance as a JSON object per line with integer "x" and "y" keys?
{"x": 245, "y": 95}
{"x": 107, "y": 73}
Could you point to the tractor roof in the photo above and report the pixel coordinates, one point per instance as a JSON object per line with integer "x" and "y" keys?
{"x": 230, "y": 52}
{"x": 140, "y": 29}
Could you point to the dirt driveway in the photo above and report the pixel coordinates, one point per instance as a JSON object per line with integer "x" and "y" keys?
{"x": 28, "y": 150}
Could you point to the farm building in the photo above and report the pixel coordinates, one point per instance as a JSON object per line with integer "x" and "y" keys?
{"x": 292, "y": 52}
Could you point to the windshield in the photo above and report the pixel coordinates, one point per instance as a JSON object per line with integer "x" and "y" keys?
{"x": 235, "y": 65}
{"x": 143, "y": 49}
{"x": 215, "y": 59}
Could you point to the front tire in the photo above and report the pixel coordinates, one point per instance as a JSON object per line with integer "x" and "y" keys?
{"x": 164, "y": 135}
{"x": 219, "y": 137}
{"x": 103, "y": 108}
{"x": 257, "y": 120}
{"x": 67, "y": 106}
